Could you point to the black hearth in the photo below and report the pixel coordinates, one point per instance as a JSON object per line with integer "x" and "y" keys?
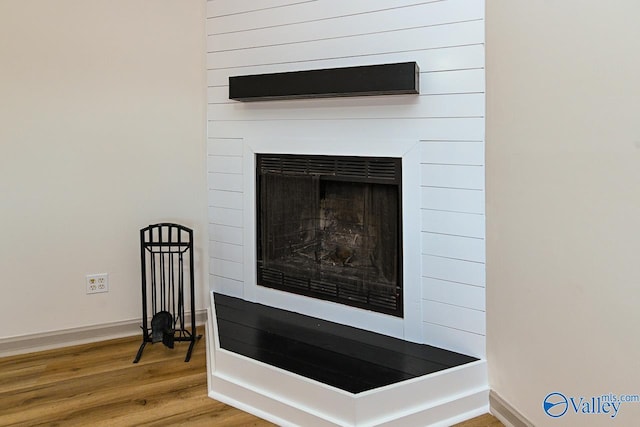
{"x": 329, "y": 227}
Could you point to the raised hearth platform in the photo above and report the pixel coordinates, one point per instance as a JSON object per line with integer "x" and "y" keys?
{"x": 298, "y": 370}
{"x": 348, "y": 358}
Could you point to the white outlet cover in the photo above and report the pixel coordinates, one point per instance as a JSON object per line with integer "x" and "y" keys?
{"x": 97, "y": 283}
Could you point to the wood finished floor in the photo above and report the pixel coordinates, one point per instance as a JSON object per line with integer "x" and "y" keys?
{"x": 97, "y": 384}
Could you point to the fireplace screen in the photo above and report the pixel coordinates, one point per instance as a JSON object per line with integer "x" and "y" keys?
{"x": 329, "y": 228}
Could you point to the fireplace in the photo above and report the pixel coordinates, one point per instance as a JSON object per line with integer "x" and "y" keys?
{"x": 329, "y": 227}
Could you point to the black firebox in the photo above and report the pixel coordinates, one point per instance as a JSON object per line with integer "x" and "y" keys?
{"x": 329, "y": 227}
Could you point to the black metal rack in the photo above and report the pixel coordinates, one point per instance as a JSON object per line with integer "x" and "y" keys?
{"x": 166, "y": 256}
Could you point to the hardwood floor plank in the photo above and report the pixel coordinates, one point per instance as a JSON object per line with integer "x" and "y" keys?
{"x": 20, "y": 376}
{"x": 87, "y": 386}
{"x": 486, "y": 420}
{"x": 97, "y": 384}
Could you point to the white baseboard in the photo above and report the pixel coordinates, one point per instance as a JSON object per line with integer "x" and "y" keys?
{"x": 506, "y": 413}
{"x": 74, "y": 336}
{"x": 281, "y": 398}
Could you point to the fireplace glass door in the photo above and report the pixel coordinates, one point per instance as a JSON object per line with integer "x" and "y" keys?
{"x": 329, "y": 228}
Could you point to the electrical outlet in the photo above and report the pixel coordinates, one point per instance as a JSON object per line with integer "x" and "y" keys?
{"x": 97, "y": 283}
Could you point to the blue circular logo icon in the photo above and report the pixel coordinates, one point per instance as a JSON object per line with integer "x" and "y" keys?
{"x": 555, "y": 404}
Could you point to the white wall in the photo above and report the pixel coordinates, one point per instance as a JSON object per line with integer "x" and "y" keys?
{"x": 563, "y": 202}
{"x": 447, "y": 121}
{"x": 102, "y": 133}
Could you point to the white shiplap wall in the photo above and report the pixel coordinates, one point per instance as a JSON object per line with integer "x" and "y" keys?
{"x": 446, "y": 38}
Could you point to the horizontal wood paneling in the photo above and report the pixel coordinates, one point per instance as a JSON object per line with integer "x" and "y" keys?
{"x": 453, "y": 293}
{"x": 461, "y": 318}
{"x": 454, "y": 223}
{"x": 455, "y": 34}
{"x": 226, "y": 251}
{"x": 401, "y": 106}
{"x": 452, "y": 153}
{"x": 454, "y": 270}
{"x": 225, "y": 199}
{"x": 300, "y": 13}
{"x": 224, "y": 164}
{"x": 453, "y": 237}
{"x": 229, "y": 269}
{"x": 455, "y": 129}
{"x": 388, "y": 20}
{"x": 225, "y": 285}
{"x": 446, "y": 245}
{"x": 225, "y": 234}
{"x": 456, "y": 81}
{"x": 224, "y": 216}
{"x": 452, "y": 199}
{"x": 224, "y": 181}
{"x": 452, "y": 176}
{"x": 224, "y": 147}
{"x": 236, "y": 7}
{"x": 454, "y": 339}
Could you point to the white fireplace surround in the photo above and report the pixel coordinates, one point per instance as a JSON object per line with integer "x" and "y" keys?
{"x": 439, "y": 134}
{"x": 410, "y": 326}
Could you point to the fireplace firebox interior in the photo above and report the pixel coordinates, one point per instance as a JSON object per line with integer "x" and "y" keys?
{"x": 329, "y": 227}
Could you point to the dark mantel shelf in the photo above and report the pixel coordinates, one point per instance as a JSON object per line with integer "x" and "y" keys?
{"x": 380, "y": 79}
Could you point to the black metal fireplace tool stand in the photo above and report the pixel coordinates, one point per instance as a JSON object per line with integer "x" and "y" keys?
{"x": 166, "y": 255}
